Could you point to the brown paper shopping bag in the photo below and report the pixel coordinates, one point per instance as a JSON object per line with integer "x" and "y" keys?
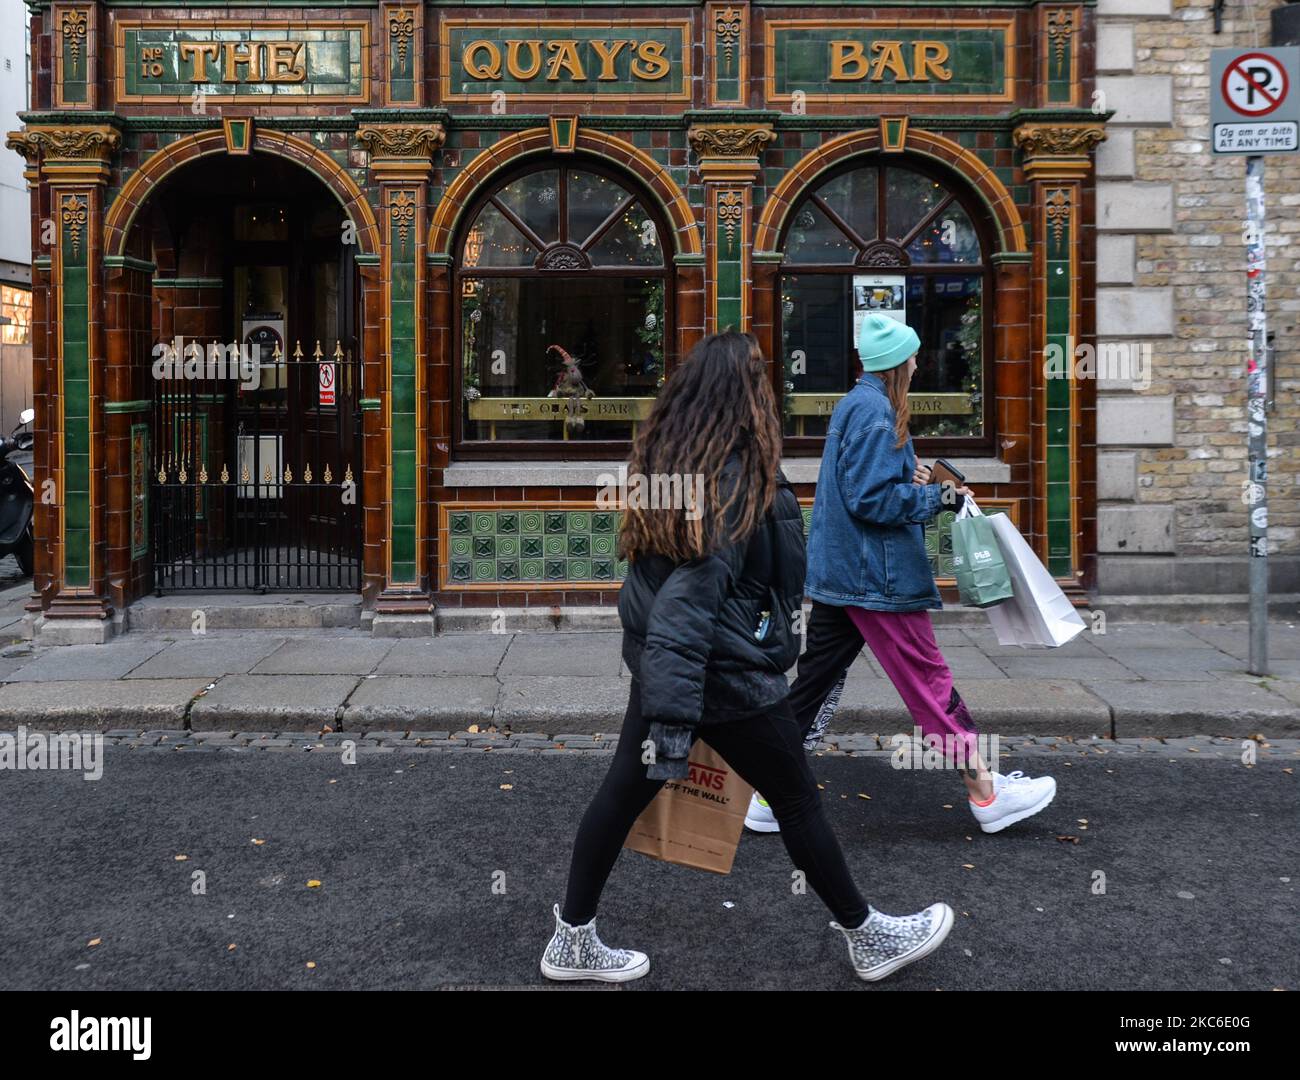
{"x": 697, "y": 821}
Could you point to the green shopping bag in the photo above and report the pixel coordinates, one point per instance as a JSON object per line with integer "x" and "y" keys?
{"x": 982, "y": 576}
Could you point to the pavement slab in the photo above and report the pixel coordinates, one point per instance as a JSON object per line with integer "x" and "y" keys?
{"x": 352, "y": 654}
{"x": 99, "y": 662}
{"x": 208, "y": 656}
{"x": 553, "y": 703}
{"x": 448, "y": 654}
{"x": 420, "y": 702}
{"x": 272, "y": 703}
{"x": 580, "y": 654}
{"x": 97, "y": 705}
{"x": 1177, "y": 707}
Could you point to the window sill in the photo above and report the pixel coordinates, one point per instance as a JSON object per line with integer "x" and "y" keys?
{"x": 513, "y": 474}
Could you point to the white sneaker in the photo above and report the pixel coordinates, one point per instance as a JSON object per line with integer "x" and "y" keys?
{"x": 1015, "y": 797}
{"x": 575, "y": 952}
{"x": 885, "y": 943}
{"x": 759, "y": 816}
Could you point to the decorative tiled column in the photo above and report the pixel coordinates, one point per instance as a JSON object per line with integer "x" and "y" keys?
{"x": 729, "y": 152}
{"x": 1056, "y": 162}
{"x": 74, "y": 164}
{"x": 401, "y": 150}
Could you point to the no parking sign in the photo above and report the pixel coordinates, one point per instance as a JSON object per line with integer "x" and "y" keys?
{"x": 1254, "y": 100}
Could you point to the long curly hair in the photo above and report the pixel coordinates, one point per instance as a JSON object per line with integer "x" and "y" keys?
{"x": 716, "y": 403}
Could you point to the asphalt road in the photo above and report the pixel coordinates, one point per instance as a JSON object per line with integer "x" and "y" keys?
{"x": 1200, "y": 861}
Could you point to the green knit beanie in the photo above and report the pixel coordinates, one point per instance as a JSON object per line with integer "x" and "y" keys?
{"x": 884, "y": 343}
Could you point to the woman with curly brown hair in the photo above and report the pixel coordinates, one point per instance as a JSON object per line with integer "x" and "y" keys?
{"x": 707, "y": 609}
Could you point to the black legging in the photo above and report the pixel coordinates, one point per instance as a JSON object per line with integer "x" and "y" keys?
{"x": 766, "y": 749}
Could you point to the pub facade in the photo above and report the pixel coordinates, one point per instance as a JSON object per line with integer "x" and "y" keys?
{"x": 370, "y": 298}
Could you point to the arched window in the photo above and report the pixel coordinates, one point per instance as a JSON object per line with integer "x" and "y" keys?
{"x": 564, "y": 312}
{"x": 892, "y": 239}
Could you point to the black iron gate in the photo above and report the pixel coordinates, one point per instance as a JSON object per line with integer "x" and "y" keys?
{"x": 256, "y": 470}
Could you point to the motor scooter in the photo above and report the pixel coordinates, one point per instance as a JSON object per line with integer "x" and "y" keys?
{"x": 16, "y": 495}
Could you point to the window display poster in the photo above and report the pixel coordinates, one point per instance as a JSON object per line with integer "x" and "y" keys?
{"x": 885, "y": 295}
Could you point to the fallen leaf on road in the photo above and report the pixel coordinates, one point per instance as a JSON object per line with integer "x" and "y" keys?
{"x": 313, "y": 884}
{"x": 861, "y": 796}
{"x": 181, "y": 858}
{"x": 1082, "y": 820}
{"x": 472, "y": 729}
{"x": 1068, "y": 839}
{"x": 230, "y": 947}
{"x": 259, "y": 843}
{"x": 311, "y": 964}
{"x": 94, "y": 941}
{"x": 507, "y": 787}
{"x": 968, "y": 866}
{"x": 1289, "y": 772}
{"x": 947, "y": 806}
{"x": 821, "y": 787}
{"x": 333, "y": 781}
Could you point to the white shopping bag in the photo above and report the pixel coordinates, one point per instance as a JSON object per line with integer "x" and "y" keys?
{"x": 1038, "y": 613}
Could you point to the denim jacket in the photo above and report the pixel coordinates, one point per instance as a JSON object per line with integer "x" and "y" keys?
{"x": 866, "y": 545}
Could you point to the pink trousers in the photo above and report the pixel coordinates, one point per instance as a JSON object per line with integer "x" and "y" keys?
{"x": 903, "y": 644}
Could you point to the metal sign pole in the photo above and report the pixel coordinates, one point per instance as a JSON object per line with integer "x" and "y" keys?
{"x": 1256, "y": 418}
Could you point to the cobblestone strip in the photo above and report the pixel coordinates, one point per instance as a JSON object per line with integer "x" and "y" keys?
{"x": 506, "y": 742}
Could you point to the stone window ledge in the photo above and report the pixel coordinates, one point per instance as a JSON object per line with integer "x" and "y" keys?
{"x": 798, "y": 470}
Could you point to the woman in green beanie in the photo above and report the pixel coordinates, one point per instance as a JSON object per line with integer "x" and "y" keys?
{"x": 870, "y": 579}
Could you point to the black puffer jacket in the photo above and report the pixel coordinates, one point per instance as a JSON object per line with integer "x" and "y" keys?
{"x": 691, "y": 630}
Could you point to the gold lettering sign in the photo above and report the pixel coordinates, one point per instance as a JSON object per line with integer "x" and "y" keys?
{"x": 851, "y": 63}
{"x": 533, "y": 59}
{"x": 271, "y": 61}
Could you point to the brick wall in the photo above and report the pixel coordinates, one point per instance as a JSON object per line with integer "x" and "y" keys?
{"x": 1172, "y": 456}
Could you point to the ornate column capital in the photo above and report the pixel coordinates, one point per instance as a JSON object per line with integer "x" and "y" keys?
{"x": 730, "y": 150}
{"x": 1058, "y": 150}
{"x": 402, "y": 152}
{"x": 69, "y": 153}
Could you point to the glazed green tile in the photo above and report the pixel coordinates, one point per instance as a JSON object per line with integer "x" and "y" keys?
{"x": 484, "y": 547}
{"x": 403, "y": 470}
{"x": 604, "y": 522}
{"x": 508, "y": 570}
{"x": 579, "y": 546}
{"x": 484, "y": 521}
{"x": 603, "y": 545}
{"x": 460, "y": 547}
{"x": 579, "y": 570}
{"x": 531, "y": 570}
{"x": 555, "y": 544}
{"x": 507, "y": 547}
{"x": 579, "y": 521}
{"x": 1058, "y": 502}
{"x": 403, "y": 398}
{"x": 458, "y": 523}
{"x": 556, "y": 570}
{"x": 602, "y": 569}
{"x": 531, "y": 547}
{"x": 530, "y": 521}
{"x": 556, "y": 521}
{"x": 462, "y": 571}
{"x": 484, "y": 570}
{"x": 507, "y": 522}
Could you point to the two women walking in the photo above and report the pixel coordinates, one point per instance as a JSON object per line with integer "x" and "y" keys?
{"x": 707, "y": 613}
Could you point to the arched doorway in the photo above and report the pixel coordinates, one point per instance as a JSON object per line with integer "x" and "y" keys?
{"x": 563, "y": 312}
{"x": 899, "y": 236}
{"x": 254, "y": 422}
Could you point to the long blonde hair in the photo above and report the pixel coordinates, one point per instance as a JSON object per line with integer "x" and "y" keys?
{"x": 896, "y": 381}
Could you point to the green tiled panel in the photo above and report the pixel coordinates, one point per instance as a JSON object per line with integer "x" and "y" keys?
{"x": 1058, "y": 502}
{"x": 802, "y": 59}
{"x": 332, "y": 59}
{"x": 579, "y": 547}
{"x": 463, "y": 81}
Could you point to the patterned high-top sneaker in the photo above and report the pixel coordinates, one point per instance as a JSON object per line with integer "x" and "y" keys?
{"x": 575, "y": 952}
{"x": 885, "y": 943}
